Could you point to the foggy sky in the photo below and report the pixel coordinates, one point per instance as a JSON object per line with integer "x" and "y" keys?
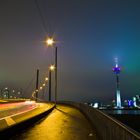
{"x": 90, "y": 34}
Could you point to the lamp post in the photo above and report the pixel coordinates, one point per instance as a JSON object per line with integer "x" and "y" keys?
{"x": 51, "y": 68}
{"x": 37, "y": 80}
{"x": 50, "y": 42}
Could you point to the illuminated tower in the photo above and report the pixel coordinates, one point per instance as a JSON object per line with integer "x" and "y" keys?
{"x": 117, "y": 71}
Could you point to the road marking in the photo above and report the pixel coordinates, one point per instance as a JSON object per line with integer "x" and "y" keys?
{"x": 9, "y": 121}
{"x": 18, "y": 113}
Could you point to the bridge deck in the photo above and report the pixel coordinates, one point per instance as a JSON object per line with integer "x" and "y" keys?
{"x": 64, "y": 123}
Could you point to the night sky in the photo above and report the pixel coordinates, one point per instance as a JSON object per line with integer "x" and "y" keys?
{"x": 89, "y": 34}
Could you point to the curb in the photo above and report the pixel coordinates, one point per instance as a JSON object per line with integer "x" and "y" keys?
{"x": 18, "y": 127}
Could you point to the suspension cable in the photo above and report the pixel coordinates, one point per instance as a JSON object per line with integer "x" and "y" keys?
{"x": 41, "y": 16}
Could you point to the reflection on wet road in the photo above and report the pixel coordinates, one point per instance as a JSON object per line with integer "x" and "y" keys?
{"x": 64, "y": 123}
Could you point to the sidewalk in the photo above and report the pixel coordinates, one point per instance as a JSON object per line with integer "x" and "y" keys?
{"x": 67, "y": 123}
{"x": 63, "y": 123}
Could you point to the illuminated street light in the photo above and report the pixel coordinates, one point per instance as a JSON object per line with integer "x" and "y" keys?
{"x": 37, "y": 81}
{"x": 51, "y": 42}
{"x": 46, "y": 79}
{"x": 51, "y": 68}
{"x": 43, "y": 90}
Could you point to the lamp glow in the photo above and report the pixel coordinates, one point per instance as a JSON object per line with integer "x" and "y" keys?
{"x": 52, "y": 67}
{"x": 46, "y": 79}
{"x": 50, "y": 41}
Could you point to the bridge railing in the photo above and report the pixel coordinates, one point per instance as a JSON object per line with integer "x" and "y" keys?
{"x": 106, "y": 127}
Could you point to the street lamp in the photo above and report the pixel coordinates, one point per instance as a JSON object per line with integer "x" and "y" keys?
{"x": 37, "y": 81}
{"x": 46, "y": 79}
{"x": 51, "y": 68}
{"x": 43, "y": 85}
{"x": 50, "y": 42}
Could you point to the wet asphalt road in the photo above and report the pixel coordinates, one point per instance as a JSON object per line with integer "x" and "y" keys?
{"x": 64, "y": 123}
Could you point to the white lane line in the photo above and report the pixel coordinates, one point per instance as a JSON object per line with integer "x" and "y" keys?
{"x": 18, "y": 113}
{"x": 9, "y": 121}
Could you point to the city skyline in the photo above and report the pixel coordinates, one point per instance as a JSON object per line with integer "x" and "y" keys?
{"x": 89, "y": 34}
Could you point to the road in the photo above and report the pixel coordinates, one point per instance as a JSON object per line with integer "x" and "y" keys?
{"x": 64, "y": 123}
{"x": 15, "y": 113}
{"x": 10, "y": 109}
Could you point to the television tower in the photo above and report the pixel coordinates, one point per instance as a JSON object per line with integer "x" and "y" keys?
{"x": 117, "y": 71}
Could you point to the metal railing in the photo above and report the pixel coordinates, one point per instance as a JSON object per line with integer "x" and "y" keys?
{"x": 106, "y": 127}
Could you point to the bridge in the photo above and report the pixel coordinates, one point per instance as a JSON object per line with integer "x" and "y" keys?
{"x": 65, "y": 121}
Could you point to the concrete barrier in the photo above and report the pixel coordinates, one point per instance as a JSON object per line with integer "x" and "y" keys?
{"x": 106, "y": 127}
{"x": 8, "y": 131}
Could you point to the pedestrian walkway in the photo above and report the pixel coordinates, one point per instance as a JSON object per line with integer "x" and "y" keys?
{"x": 64, "y": 123}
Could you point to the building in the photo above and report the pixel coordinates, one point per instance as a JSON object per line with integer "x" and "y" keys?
{"x": 117, "y": 71}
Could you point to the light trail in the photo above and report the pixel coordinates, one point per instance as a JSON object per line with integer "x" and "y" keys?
{"x": 18, "y": 113}
{"x": 11, "y": 105}
{"x": 28, "y": 106}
